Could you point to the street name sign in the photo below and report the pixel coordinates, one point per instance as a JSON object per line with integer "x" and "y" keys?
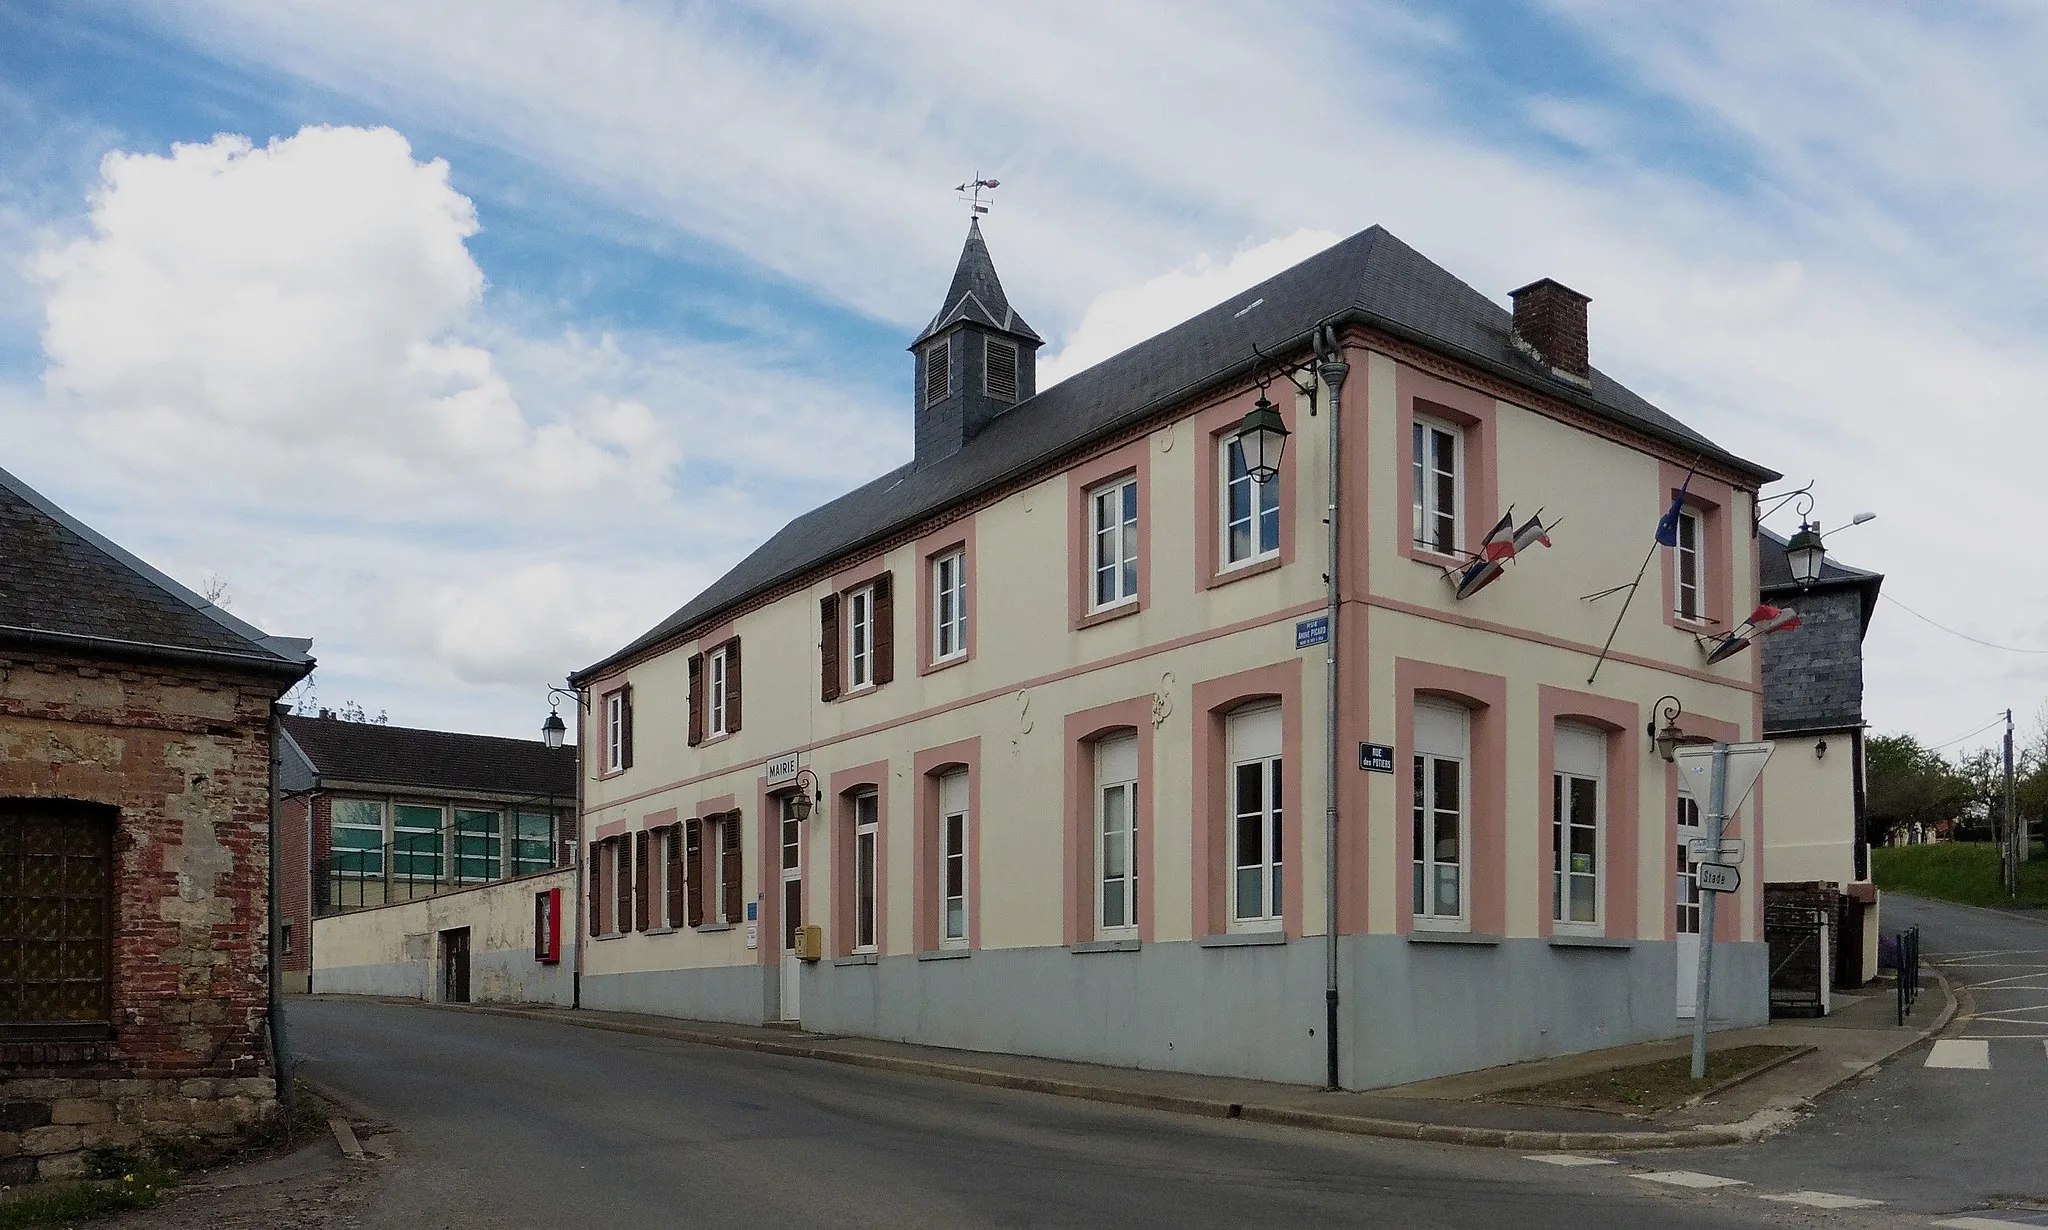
{"x": 1311, "y": 631}
{"x": 1702, "y": 849}
{"x": 1719, "y": 878}
{"x": 1376, "y": 757}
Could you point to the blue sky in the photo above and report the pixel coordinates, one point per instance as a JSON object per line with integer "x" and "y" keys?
{"x": 588, "y": 296}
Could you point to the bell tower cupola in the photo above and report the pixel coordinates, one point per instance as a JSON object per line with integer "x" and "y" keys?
{"x": 975, "y": 360}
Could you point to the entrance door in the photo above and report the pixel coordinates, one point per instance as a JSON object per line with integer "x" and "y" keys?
{"x": 455, "y": 966}
{"x": 1686, "y": 896}
{"x": 792, "y": 910}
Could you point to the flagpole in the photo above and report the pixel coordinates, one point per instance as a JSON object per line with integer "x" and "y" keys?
{"x": 1632, "y": 587}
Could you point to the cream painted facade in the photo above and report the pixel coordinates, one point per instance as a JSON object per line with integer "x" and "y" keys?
{"x": 1811, "y": 832}
{"x": 1037, "y": 978}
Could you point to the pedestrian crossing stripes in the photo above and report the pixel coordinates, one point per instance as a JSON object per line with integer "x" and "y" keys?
{"x": 1982, "y": 1053}
{"x": 1985, "y": 1223}
{"x": 1823, "y": 1200}
{"x": 1960, "y": 1053}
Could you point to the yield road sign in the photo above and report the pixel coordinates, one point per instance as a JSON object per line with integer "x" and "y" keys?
{"x": 1719, "y": 878}
{"x": 1702, "y": 849}
{"x": 1745, "y": 765}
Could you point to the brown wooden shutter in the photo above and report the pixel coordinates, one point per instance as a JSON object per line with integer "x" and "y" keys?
{"x": 592, "y": 860}
{"x": 673, "y": 839}
{"x": 622, "y": 886}
{"x": 730, "y": 872}
{"x": 732, "y": 686}
{"x": 642, "y": 898}
{"x": 626, "y": 727}
{"x": 828, "y": 647}
{"x": 696, "y": 699}
{"x": 693, "y": 871}
{"x": 885, "y": 630}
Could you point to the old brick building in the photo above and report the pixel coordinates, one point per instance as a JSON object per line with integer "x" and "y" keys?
{"x": 136, "y": 729}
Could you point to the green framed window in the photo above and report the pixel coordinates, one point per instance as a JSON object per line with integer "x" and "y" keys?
{"x": 416, "y": 841}
{"x": 532, "y": 842}
{"x": 477, "y": 845}
{"x": 358, "y": 846}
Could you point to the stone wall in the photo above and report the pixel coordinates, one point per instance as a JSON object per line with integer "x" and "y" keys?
{"x": 184, "y": 755}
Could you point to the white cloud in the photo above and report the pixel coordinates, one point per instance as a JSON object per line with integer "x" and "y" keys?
{"x": 1121, "y": 318}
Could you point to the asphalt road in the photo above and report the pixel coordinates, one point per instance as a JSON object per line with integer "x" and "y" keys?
{"x": 519, "y": 1123}
{"x": 1937, "y": 1139}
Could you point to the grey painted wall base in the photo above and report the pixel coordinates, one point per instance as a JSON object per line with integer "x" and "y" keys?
{"x": 1409, "y": 1011}
{"x": 744, "y": 994}
{"x": 506, "y": 976}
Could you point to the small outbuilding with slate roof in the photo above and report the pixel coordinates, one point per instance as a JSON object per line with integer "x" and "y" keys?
{"x": 136, "y": 729}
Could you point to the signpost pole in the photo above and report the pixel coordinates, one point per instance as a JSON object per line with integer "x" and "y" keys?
{"x": 1717, "y": 821}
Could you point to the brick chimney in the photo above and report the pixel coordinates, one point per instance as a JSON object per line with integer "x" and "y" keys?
{"x": 1550, "y": 319}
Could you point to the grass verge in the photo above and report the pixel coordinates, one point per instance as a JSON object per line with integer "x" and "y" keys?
{"x": 1962, "y": 871}
{"x": 1647, "y": 1088}
{"x": 129, "y": 1179}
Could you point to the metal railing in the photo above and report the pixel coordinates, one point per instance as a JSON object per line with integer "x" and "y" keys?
{"x": 431, "y": 862}
{"x": 1909, "y": 971}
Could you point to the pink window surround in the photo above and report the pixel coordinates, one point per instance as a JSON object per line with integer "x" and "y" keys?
{"x": 769, "y": 866}
{"x": 932, "y": 764}
{"x": 1712, "y": 499}
{"x": 1215, "y": 699}
{"x": 1084, "y": 730}
{"x": 1486, "y": 696}
{"x": 845, "y": 784}
{"x": 1134, "y": 458}
{"x": 958, "y": 536}
{"x": 1216, "y": 425}
{"x": 714, "y": 812}
{"x": 1727, "y": 922}
{"x": 611, "y": 828}
{"x": 853, "y": 576}
{"x": 1622, "y": 720}
{"x": 1417, "y": 392}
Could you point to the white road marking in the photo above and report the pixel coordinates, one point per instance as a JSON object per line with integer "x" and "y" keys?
{"x": 1690, "y": 1178}
{"x": 1825, "y": 1200}
{"x": 1981, "y": 1223}
{"x": 1567, "y": 1159}
{"x": 1960, "y": 1053}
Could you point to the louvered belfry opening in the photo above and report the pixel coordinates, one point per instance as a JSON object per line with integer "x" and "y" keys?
{"x": 975, "y": 360}
{"x": 56, "y": 906}
{"x": 1002, "y": 370}
{"x": 938, "y": 371}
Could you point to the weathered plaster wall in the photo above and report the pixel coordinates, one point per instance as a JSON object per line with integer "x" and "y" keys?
{"x": 395, "y": 949}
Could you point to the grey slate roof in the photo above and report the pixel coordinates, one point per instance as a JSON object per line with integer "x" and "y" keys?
{"x": 977, "y": 294}
{"x": 63, "y": 584}
{"x": 431, "y": 760}
{"x": 1372, "y": 278}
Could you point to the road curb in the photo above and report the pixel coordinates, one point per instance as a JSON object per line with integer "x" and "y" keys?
{"x": 1750, "y": 1129}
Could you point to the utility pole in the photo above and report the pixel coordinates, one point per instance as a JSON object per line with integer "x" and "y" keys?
{"x": 2015, "y": 836}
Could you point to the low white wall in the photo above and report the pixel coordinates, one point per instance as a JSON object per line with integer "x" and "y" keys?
{"x": 395, "y": 949}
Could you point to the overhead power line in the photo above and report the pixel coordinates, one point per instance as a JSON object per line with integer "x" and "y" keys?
{"x": 1974, "y": 640}
{"x": 1997, "y": 721}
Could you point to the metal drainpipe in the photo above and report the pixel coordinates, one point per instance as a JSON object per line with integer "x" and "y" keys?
{"x": 1333, "y": 369}
{"x": 280, "y": 1053}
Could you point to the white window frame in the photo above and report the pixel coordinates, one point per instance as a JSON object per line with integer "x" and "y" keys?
{"x": 1113, "y": 551}
{"x": 1426, "y": 813}
{"x": 1569, "y": 767}
{"x": 714, "y": 673}
{"x": 955, "y": 867}
{"x": 615, "y": 731}
{"x": 1253, "y": 741}
{"x": 1428, "y": 501}
{"x": 1687, "y": 552}
{"x": 860, "y": 638}
{"x": 1686, "y": 897}
{"x": 867, "y": 855}
{"x": 1261, "y": 499}
{"x": 1116, "y": 779}
{"x": 949, "y": 606}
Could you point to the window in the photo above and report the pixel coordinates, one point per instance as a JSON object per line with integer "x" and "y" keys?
{"x": 953, "y": 860}
{"x": 1116, "y": 829}
{"x": 622, "y": 885}
{"x": 1114, "y": 526}
{"x": 476, "y": 844}
{"x": 615, "y": 731}
{"x": 1688, "y": 889}
{"x": 938, "y": 371}
{"x": 416, "y": 841}
{"x": 532, "y": 842}
{"x": 1251, "y": 511}
{"x": 717, "y": 672}
{"x": 867, "y": 817}
{"x": 285, "y": 934}
{"x": 1685, "y": 572}
{"x": 1002, "y": 369}
{"x": 693, "y": 872}
{"x": 730, "y": 906}
{"x": 56, "y": 914}
{"x": 358, "y": 846}
{"x": 1437, "y": 469}
{"x": 1253, "y": 742}
{"x": 1577, "y": 788}
{"x": 949, "y": 606}
{"x": 1443, "y": 738}
{"x": 860, "y": 637}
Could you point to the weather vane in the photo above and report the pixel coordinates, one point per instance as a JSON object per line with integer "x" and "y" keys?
{"x": 971, "y": 192}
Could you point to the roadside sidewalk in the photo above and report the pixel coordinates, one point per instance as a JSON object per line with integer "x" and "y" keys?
{"x": 1455, "y": 1109}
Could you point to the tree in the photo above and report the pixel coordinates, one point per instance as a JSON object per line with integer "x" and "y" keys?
{"x": 1905, "y": 783}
